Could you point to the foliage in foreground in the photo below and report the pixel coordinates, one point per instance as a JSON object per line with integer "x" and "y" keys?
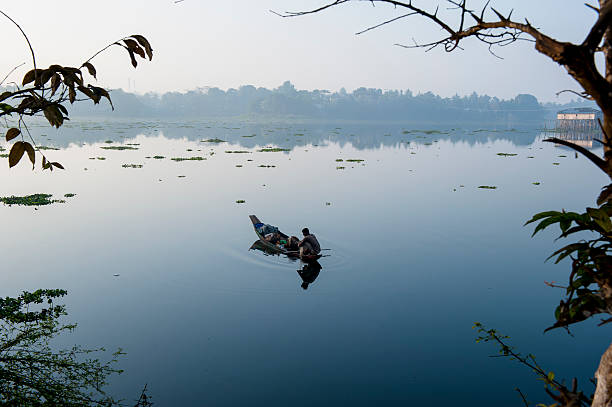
{"x": 589, "y": 289}
{"x": 557, "y": 390}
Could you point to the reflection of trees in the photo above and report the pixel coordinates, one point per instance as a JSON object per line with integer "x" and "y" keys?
{"x": 362, "y": 136}
{"x": 32, "y": 373}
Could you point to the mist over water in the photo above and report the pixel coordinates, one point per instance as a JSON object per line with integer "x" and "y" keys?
{"x": 417, "y": 253}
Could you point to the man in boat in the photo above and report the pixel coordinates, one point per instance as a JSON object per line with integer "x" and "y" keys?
{"x": 309, "y": 244}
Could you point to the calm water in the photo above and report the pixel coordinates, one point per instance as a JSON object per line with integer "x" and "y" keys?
{"x": 417, "y": 253}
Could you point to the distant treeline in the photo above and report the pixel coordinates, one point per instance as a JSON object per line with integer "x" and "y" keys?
{"x": 286, "y": 100}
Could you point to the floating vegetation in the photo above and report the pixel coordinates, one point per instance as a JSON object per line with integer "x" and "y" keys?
{"x": 339, "y": 160}
{"x": 237, "y": 152}
{"x": 272, "y": 150}
{"x": 427, "y": 144}
{"x": 189, "y": 149}
{"x": 109, "y": 141}
{"x": 4, "y": 155}
{"x": 340, "y": 168}
{"x": 298, "y": 135}
{"x": 249, "y": 160}
{"x": 180, "y": 176}
{"x": 555, "y": 163}
{"x": 252, "y": 135}
{"x": 101, "y": 158}
{"x": 132, "y": 165}
{"x": 213, "y": 140}
{"x": 188, "y": 158}
{"x": 69, "y": 195}
{"x": 132, "y": 144}
{"x": 562, "y": 156}
{"x": 47, "y": 148}
{"x": 30, "y": 200}
{"x": 240, "y": 201}
{"x": 158, "y": 157}
{"x": 119, "y": 148}
{"x": 354, "y": 160}
{"x": 487, "y": 187}
{"x": 266, "y": 166}
{"x": 507, "y": 154}
{"x": 531, "y": 156}
{"x": 535, "y": 183}
{"x": 238, "y": 165}
{"x": 327, "y": 203}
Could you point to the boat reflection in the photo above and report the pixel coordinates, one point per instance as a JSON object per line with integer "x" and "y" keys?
{"x": 308, "y": 273}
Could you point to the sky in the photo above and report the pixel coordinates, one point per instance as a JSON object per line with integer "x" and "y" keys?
{"x": 230, "y": 43}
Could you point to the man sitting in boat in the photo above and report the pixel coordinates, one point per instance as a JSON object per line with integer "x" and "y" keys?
{"x": 309, "y": 244}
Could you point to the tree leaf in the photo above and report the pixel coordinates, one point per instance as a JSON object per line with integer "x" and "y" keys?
{"x": 12, "y": 133}
{"x": 90, "y": 69}
{"x": 101, "y": 92}
{"x": 71, "y": 94}
{"x": 31, "y": 154}
{"x": 30, "y": 76}
{"x": 16, "y": 153}
{"x": 54, "y": 116}
{"x": 133, "y": 45}
{"x": 58, "y": 165}
{"x": 541, "y": 215}
{"x": 605, "y": 196}
{"x": 132, "y": 57}
{"x": 145, "y": 44}
{"x": 56, "y": 81}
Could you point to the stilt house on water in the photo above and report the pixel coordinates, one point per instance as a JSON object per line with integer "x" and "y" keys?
{"x": 579, "y": 119}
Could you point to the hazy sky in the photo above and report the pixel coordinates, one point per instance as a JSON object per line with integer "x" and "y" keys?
{"x": 230, "y": 43}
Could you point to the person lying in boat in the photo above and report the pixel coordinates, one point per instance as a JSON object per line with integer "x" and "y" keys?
{"x": 309, "y": 244}
{"x": 273, "y": 238}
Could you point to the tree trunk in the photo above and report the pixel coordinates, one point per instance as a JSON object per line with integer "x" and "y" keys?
{"x": 603, "y": 392}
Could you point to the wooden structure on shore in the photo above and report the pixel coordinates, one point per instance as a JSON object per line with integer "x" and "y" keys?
{"x": 581, "y": 119}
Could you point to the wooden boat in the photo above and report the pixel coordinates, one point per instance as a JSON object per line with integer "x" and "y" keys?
{"x": 278, "y": 248}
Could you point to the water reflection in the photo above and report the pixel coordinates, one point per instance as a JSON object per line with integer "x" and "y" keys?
{"x": 362, "y": 136}
{"x": 310, "y": 268}
{"x": 309, "y": 273}
{"x": 583, "y": 139}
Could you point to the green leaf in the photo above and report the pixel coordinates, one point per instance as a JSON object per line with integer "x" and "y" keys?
{"x": 601, "y": 218}
{"x": 542, "y": 215}
{"x": 546, "y": 223}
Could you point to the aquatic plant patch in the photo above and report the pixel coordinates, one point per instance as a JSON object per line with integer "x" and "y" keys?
{"x": 132, "y": 165}
{"x": 240, "y": 201}
{"x": 188, "y": 158}
{"x": 487, "y": 187}
{"x": 69, "y": 195}
{"x": 237, "y": 152}
{"x": 118, "y": 148}
{"x": 212, "y": 140}
{"x": 272, "y": 150}
{"x": 30, "y": 200}
{"x": 47, "y": 148}
{"x": 507, "y": 154}
{"x": 354, "y": 160}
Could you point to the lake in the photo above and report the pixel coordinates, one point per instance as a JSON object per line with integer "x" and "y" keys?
{"x": 156, "y": 258}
